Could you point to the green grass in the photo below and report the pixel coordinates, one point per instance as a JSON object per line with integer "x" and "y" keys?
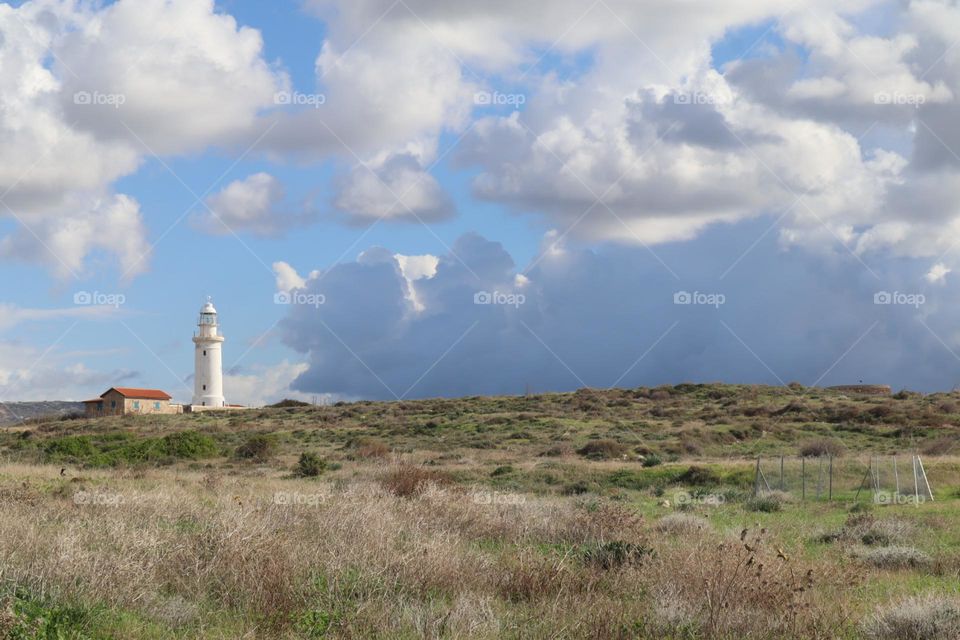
{"x": 125, "y": 448}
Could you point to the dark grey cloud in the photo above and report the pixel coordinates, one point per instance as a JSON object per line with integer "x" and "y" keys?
{"x": 589, "y": 316}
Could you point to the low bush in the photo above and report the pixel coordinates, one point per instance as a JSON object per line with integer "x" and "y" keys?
{"x": 615, "y": 554}
{"x": 371, "y": 448}
{"x": 893, "y": 557}
{"x": 310, "y": 465}
{"x": 575, "y": 489}
{"x": 821, "y": 447}
{"x": 557, "y": 451}
{"x": 927, "y": 617}
{"x": 681, "y": 524}
{"x": 258, "y": 448}
{"x": 698, "y": 476}
{"x": 768, "y": 502}
{"x": 407, "y": 480}
{"x": 602, "y": 450}
{"x": 652, "y": 460}
{"x": 287, "y": 403}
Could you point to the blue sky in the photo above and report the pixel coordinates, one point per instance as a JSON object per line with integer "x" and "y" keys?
{"x": 781, "y": 166}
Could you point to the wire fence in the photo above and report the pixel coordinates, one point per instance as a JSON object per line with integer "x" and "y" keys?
{"x": 884, "y": 479}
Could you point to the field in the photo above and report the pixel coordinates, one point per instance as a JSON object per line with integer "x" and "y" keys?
{"x": 595, "y": 514}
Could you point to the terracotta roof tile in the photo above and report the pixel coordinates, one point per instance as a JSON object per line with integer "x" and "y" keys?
{"x": 144, "y": 394}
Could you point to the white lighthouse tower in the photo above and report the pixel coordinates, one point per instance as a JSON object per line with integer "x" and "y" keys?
{"x": 208, "y": 360}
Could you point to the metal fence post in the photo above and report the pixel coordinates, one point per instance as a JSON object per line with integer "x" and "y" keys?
{"x": 830, "y": 497}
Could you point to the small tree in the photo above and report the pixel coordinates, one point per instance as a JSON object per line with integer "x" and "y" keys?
{"x": 310, "y": 465}
{"x": 258, "y": 448}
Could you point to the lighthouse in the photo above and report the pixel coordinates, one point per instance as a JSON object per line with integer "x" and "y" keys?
{"x": 208, "y": 360}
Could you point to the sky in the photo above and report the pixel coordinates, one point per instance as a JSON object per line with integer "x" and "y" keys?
{"x": 392, "y": 199}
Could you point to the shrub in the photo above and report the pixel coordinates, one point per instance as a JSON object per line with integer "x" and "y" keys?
{"x": 652, "y": 460}
{"x": 768, "y": 502}
{"x": 927, "y": 617}
{"x": 941, "y": 446}
{"x": 310, "y": 465}
{"x": 371, "y": 448}
{"x": 883, "y": 532}
{"x": 407, "y": 480}
{"x": 556, "y": 451}
{"x": 577, "y": 488}
{"x": 821, "y": 447}
{"x": 72, "y": 448}
{"x": 698, "y": 476}
{"x": 615, "y": 554}
{"x": 287, "y": 403}
{"x": 681, "y": 523}
{"x": 189, "y": 444}
{"x": 258, "y": 448}
{"x": 602, "y": 450}
{"x": 893, "y": 557}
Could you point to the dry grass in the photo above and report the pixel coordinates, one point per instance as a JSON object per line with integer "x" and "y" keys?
{"x": 408, "y": 554}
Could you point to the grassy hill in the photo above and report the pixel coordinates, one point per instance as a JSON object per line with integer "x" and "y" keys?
{"x": 600, "y": 513}
{"x": 669, "y": 423}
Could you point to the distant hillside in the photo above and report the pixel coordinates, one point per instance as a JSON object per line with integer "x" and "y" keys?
{"x": 15, "y": 412}
{"x": 667, "y": 423}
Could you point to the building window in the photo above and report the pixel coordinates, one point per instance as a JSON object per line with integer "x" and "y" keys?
{"x": 203, "y": 404}
{"x": 136, "y": 405}
{"x": 113, "y": 404}
{"x": 100, "y": 406}
{"x": 156, "y": 405}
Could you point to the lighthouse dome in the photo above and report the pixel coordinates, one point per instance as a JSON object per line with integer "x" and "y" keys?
{"x": 208, "y": 308}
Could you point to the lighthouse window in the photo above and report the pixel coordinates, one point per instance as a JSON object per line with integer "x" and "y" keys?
{"x": 204, "y": 387}
{"x": 204, "y": 352}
